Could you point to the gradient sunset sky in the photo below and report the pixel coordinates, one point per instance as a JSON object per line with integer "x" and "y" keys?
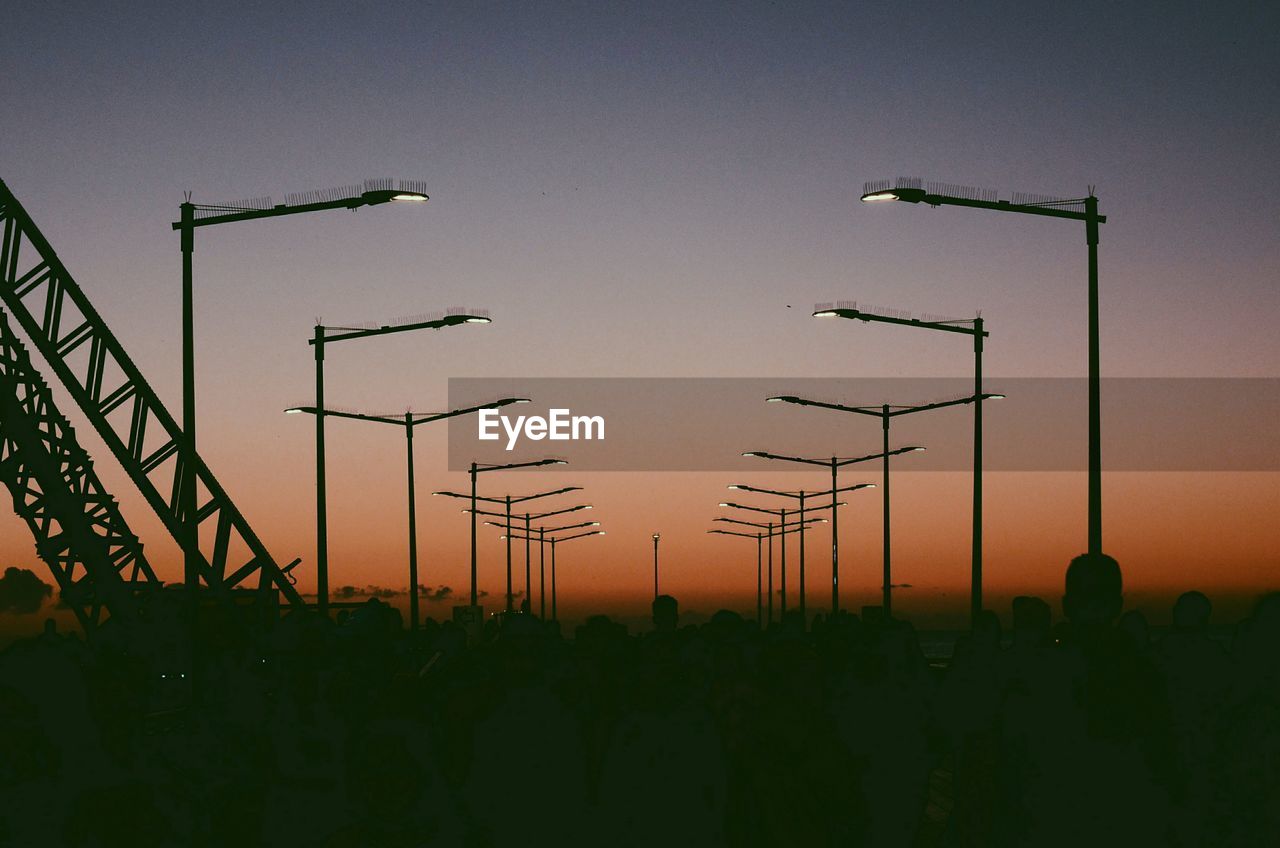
{"x": 642, "y": 189}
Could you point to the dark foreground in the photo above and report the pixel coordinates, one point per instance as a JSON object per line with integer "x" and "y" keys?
{"x": 360, "y": 733}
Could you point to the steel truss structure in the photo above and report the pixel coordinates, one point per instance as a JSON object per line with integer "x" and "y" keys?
{"x": 96, "y": 560}
{"x": 108, "y": 387}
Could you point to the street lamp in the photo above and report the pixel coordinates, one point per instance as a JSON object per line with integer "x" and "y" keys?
{"x": 974, "y": 328}
{"x": 796, "y": 526}
{"x": 834, "y": 463}
{"x": 319, "y": 339}
{"x": 656, "y": 537}
{"x": 528, "y": 517}
{"x": 759, "y": 537}
{"x": 800, "y": 495}
{"x": 913, "y": 190}
{"x": 782, "y": 519}
{"x": 542, "y": 554}
{"x": 408, "y": 421}
{"x": 555, "y": 541}
{"x": 193, "y": 215}
{"x": 885, "y": 412}
{"x": 480, "y": 468}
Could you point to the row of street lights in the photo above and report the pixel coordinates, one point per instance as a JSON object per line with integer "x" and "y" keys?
{"x": 914, "y": 191}
{"x": 370, "y": 193}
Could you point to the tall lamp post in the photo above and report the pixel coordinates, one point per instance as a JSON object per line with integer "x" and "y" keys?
{"x": 195, "y": 215}
{"x": 972, "y": 327}
{"x": 327, "y": 335}
{"x": 886, "y": 413}
{"x": 477, "y": 469}
{"x": 555, "y": 541}
{"x": 1079, "y": 209}
{"x": 408, "y": 421}
{"x": 800, "y": 496}
{"x": 835, "y": 464}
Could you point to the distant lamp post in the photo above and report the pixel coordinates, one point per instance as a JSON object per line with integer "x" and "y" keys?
{"x": 835, "y": 464}
{"x": 656, "y": 537}
{"x": 913, "y": 190}
{"x": 408, "y": 421}
{"x": 555, "y": 541}
{"x": 782, "y": 522}
{"x": 972, "y": 327}
{"x": 477, "y": 469}
{"x": 528, "y": 517}
{"x": 771, "y": 529}
{"x": 800, "y": 496}
{"x": 886, "y": 413}
{"x": 759, "y": 537}
{"x": 194, "y": 215}
{"x": 541, "y": 539}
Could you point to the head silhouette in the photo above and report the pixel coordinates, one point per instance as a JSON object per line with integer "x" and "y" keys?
{"x": 666, "y": 614}
{"x": 1031, "y": 615}
{"x": 1191, "y": 611}
{"x": 1093, "y": 594}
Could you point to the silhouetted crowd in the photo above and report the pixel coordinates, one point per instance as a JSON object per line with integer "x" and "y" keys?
{"x": 360, "y": 732}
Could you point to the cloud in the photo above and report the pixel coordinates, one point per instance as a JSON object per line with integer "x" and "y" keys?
{"x": 348, "y": 592}
{"x": 442, "y": 593}
{"x": 22, "y": 592}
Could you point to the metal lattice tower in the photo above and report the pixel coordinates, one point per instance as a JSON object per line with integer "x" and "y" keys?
{"x": 144, "y": 437}
{"x": 96, "y": 560}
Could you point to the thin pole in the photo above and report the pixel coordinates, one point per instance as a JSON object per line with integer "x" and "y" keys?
{"x": 528, "y": 585}
{"x": 770, "y": 573}
{"x": 759, "y": 600}
{"x": 782, "y": 529}
{"x": 474, "y": 594}
{"x": 508, "y": 526}
{"x": 655, "y": 566}
{"x": 542, "y": 573}
{"x": 975, "y": 589}
{"x": 835, "y": 544}
{"x": 190, "y": 522}
{"x": 886, "y": 593}
{"x": 322, "y": 506}
{"x": 1095, "y": 385}
{"x": 553, "y": 580}
{"x": 802, "y": 605}
{"x": 413, "y": 529}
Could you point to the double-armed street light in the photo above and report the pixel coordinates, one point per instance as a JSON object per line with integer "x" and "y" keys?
{"x": 974, "y": 328}
{"x": 327, "y": 335}
{"x": 782, "y": 514}
{"x": 765, "y": 531}
{"x": 555, "y": 541}
{"x": 1085, "y": 209}
{"x": 759, "y": 537}
{"x": 800, "y": 496}
{"x": 409, "y": 420}
{"x": 835, "y": 464}
{"x": 528, "y": 517}
{"x": 542, "y": 539}
{"x": 474, "y": 471}
{"x": 886, "y": 413}
{"x": 196, "y": 215}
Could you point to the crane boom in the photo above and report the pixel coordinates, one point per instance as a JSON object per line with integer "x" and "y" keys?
{"x": 111, "y": 391}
